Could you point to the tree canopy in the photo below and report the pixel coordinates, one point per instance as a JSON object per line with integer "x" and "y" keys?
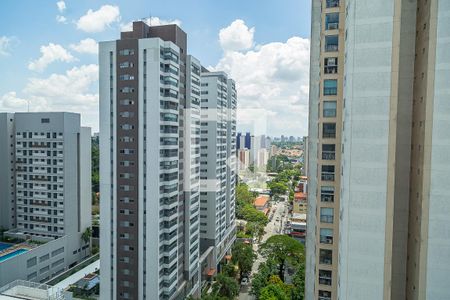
{"x": 243, "y": 256}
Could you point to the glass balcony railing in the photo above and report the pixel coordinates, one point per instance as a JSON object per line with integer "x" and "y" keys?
{"x": 327, "y": 176}
{"x": 328, "y": 155}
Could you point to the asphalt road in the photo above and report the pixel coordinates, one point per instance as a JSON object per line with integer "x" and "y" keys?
{"x": 274, "y": 227}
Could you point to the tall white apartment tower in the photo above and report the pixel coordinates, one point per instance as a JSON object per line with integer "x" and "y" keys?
{"x": 149, "y": 165}
{"x": 379, "y": 156}
{"x": 217, "y": 163}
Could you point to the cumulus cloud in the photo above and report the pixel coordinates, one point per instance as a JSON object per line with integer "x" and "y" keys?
{"x": 98, "y": 20}
{"x": 61, "y": 6}
{"x": 61, "y": 19}
{"x": 73, "y": 91}
{"x": 272, "y": 80}
{"x": 49, "y": 54}
{"x": 237, "y": 36}
{"x": 88, "y": 46}
{"x": 152, "y": 21}
{"x": 5, "y": 45}
{"x": 10, "y": 101}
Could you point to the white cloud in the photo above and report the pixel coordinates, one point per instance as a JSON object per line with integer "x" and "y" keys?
{"x": 61, "y": 6}
{"x": 152, "y": 21}
{"x": 273, "y": 77}
{"x": 85, "y": 46}
{"x": 11, "y": 102}
{"x": 237, "y": 36}
{"x": 5, "y": 45}
{"x": 97, "y": 21}
{"x": 73, "y": 91}
{"x": 50, "y": 53}
{"x": 61, "y": 19}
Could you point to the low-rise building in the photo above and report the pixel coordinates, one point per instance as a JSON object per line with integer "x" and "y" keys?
{"x": 261, "y": 203}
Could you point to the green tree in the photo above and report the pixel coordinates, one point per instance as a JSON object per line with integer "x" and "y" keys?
{"x": 225, "y": 287}
{"x": 86, "y": 237}
{"x": 95, "y": 157}
{"x": 277, "y": 188}
{"x": 250, "y": 214}
{"x": 229, "y": 270}
{"x": 259, "y": 281}
{"x": 256, "y": 229}
{"x": 244, "y": 257}
{"x": 298, "y": 283}
{"x": 283, "y": 249}
{"x": 273, "y": 292}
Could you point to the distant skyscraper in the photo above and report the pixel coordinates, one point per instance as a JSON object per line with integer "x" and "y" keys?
{"x": 248, "y": 140}
{"x": 379, "y": 121}
{"x": 238, "y": 140}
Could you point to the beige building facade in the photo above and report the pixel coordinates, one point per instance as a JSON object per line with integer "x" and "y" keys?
{"x": 379, "y": 164}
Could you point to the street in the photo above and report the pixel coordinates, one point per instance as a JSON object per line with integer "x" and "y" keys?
{"x": 275, "y": 226}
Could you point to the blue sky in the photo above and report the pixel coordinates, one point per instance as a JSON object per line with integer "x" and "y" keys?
{"x": 267, "y": 26}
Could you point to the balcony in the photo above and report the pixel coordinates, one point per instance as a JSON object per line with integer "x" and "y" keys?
{"x": 327, "y": 198}
{"x": 331, "y": 43}
{"x": 324, "y": 295}
{"x": 326, "y": 219}
{"x": 326, "y": 257}
{"x": 324, "y": 277}
{"x": 330, "y": 69}
{"x": 332, "y": 3}
{"x": 328, "y": 155}
{"x": 327, "y": 176}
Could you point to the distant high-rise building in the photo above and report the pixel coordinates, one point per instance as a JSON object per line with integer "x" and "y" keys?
{"x": 238, "y": 140}
{"x": 248, "y": 139}
{"x": 45, "y": 192}
{"x": 378, "y": 130}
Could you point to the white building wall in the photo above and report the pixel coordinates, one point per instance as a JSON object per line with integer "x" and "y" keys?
{"x": 108, "y": 198}
{"x": 438, "y": 253}
{"x": 365, "y": 149}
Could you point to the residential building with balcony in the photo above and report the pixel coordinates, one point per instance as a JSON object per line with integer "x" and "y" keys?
{"x": 47, "y": 193}
{"x": 377, "y": 163}
{"x": 217, "y": 165}
{"x": 151, "y": 166}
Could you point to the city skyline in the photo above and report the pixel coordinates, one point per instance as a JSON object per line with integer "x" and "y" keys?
{"x": 58, "y": 71}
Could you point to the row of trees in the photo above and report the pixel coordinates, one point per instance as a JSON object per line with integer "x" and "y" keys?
{"x": 226, "y": 284}
{"x": 281, "y": 253}
{"x": 256, "y": 220}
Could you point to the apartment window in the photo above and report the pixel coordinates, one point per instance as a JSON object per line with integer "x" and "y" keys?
{"x": 332, "y": 3}
{"x": 327, "y": 173}
{"x": 45, "y": 120}
{"x": 328, "y": 151}
{"x": 331, "y": 43}
{"x": 126, "y": 65}
{"x": 329, "y": 109}
{"x": 31, "y": 262}
{"x": 325, "y": 256}
{"x": 327, "y": 194}
{"x": 126, "y": 102}
{"x": 326, "y": 214}
{"x": 330, "y": 65}
{"x": 127, "y": 90}
{"x": 126, "y": 77}
{"x": 325, "y": 277}
{"x": 332, "y": 21}
{"x": 330, "y": 87}
{"x": 58, "y": 251}
{"x": 324, "y": 295}
{"x": 126, "y": 52}
{"x": 329, "y": 130}
{"x": 326, "y": 235}
{"x": 126, "y": 114}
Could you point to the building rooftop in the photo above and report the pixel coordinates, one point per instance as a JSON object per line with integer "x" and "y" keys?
{"x": 261, "y": 200}
{"x": 299, "y": 196}
{"x": 21, "y": 289}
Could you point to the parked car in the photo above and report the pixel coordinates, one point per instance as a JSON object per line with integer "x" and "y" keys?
{"x": 244, "y": 281}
